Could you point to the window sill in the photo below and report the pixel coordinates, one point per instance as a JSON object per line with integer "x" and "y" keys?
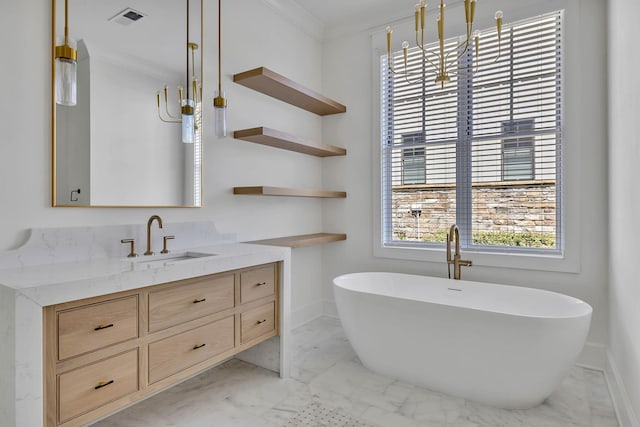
{"x": 555, "y": 262}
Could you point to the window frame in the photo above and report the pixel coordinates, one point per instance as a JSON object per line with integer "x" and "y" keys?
{"x": 566, "y": 259}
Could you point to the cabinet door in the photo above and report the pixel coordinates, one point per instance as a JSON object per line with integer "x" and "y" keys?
{"x": 90, "y": 327}
{"x": 189, "y": 300}
{"x": 175, "y": 353}
{"x": 257, "y": 283}
{"x": 94, "y": 385}
{"x": 258, "y": 321}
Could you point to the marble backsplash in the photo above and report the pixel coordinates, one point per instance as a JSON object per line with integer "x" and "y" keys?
{"x": 73, "y": 244}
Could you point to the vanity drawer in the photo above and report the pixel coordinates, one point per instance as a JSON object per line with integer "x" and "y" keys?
{"x": 257, "y": 283}
{"x": 87, "y": 328}
{"x": 175, "y": 353}
{"x": 92, "y": 386}
{"x": 190, "y": 300}
{"x": 257, "y": 322}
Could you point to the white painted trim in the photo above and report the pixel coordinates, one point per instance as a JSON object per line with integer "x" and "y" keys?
{"x": 305, "y": 314}
{"x": 593, "y": 356}
{"x": 298, "y": 16}
{"x": 621, "y": 402}
{"x": 330, "y": 309}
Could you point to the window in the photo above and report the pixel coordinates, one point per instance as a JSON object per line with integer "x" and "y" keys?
{"x": 484, "y": 151}
{"x": 413, "y": 160}
{"x": 517, "y": 151}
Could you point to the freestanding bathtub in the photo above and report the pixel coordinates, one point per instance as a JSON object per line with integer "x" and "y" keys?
{"x": 504, "y": 346}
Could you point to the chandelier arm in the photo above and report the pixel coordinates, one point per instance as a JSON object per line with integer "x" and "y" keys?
{"x": 406, "y": 78}
{"x": 425, "y": 55}
{"x": 173, "y": 120}
{"x": 464, "y": 44}
{"x": 166, "y": 106}
{"x": 499, "y": 52}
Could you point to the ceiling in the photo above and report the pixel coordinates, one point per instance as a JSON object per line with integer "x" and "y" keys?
{"x": 339, "y": 12}
{"x": 343, "y": 15}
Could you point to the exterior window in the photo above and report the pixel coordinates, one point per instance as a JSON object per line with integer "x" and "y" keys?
{"x": 483, "y": 152}
{"x": 517, "y": 151}
{"x": 413, "y": 160}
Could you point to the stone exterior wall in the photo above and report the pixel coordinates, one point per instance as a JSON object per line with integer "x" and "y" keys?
{"x": 517, "y": 208}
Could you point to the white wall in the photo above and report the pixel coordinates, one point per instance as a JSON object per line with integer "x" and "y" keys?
{"x": 348, "y": 73}
{"x": 624, "y": 197}
{"x": 253, "y": 35}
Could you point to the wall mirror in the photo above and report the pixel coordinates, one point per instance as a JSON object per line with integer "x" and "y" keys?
{"x": 127, "y": 141}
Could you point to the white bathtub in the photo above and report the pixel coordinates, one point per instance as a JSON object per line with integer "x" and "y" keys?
{"x": 504, "y": 346}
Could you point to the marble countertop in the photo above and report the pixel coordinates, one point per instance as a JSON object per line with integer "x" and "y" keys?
{"x": 55, "y": 283}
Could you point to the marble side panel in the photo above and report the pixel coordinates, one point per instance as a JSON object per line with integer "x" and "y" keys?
{"x": 29, "y": 362}
{"x": 7, "y": 355}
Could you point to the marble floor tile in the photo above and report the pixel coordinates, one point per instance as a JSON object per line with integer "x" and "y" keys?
{"x": 326, "y": 371}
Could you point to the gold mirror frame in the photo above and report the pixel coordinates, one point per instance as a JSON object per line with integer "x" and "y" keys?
{"x": 54, "y": 190}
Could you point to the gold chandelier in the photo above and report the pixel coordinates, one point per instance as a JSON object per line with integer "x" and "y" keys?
{"x": 444, "y": 63}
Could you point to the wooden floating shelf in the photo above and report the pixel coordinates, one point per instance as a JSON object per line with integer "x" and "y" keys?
{"x": 277, "y": 86}
{"x": 294, "y": 192}
{"x": 303, "y": 240}
{"x": 285, "y": 141}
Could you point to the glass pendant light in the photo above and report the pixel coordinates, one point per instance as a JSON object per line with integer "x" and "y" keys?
{"x": 220, "y": 102}
{"x": 188, "y": 122}
{"x": 220, "y": 117}
{"x": 66, "y": 57}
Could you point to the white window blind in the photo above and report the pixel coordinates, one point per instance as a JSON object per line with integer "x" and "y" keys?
{"x": 484, "y": 151}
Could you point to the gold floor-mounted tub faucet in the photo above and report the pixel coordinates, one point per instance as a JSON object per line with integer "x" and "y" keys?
{"x": 454, "y": 235}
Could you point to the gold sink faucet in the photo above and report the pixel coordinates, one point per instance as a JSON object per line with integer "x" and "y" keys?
{"x": 151, "y": 219}
{"x": 454, "y": 235}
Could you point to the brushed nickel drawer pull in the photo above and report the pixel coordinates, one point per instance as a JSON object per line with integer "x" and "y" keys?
{"x": 197, "y": 346}
{"x": 261, "y": 284}
{"x": 103, "y": 384}
{"x": 261, "y": 321}
{"x": 195, "y": 301}
{"x": 101, "y": 327}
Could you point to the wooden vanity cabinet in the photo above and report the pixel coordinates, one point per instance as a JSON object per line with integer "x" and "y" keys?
{"x": 104, "y": 353}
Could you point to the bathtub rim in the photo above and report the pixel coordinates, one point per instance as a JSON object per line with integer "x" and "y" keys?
{"x": 588, "y": 309}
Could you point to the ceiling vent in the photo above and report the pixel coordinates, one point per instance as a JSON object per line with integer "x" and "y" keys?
{"x": 127, "y": 16}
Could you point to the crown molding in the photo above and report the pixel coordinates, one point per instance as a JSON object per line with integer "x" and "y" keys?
{"x": 298, "y": 16}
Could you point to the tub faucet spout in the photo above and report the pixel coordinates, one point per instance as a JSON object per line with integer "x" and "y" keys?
{"x": 454, "y": 236}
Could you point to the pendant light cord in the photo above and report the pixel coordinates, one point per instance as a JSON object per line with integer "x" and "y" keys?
{"x": 219, "y": 48}
{"x": 187, "y": 82}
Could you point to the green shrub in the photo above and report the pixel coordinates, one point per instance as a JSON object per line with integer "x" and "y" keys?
{"x": 512, "y": 238}
{"x": 439, "y": 236}
{"x": 495, "y": 238}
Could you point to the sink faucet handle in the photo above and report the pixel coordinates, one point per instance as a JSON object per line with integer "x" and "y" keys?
{"x": 164, "y": 244}
{"x": 132, "y": 249}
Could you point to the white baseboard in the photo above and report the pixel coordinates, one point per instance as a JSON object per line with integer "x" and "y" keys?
{"x": 621, "y": 402}
{"x": 593, "y": 356}
{"x": 305, "y": 314}
{"x": 330, "y": 309}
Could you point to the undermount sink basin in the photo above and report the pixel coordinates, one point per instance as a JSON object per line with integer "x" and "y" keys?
{"x": 163, "y": 260}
